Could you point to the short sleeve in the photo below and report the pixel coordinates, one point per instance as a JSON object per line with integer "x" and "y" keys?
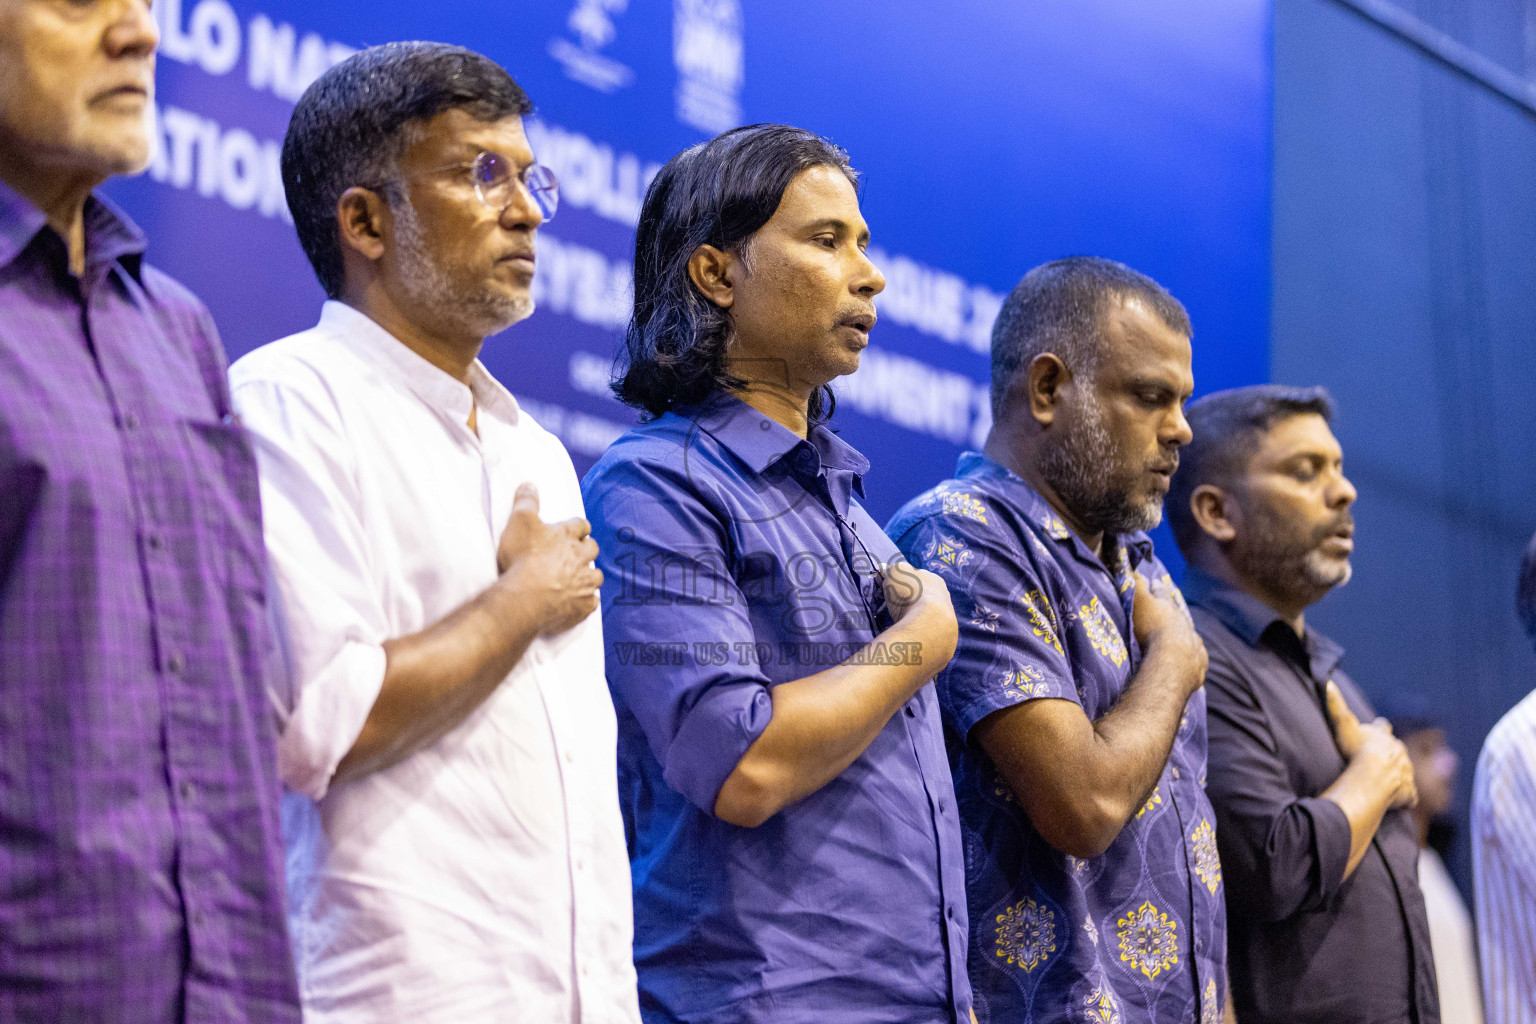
{"x": 679, "y": 643}
{"x": 330, "y": 620}
{"x": 1010, "y": 648}
{"x": 1282, "y": 853}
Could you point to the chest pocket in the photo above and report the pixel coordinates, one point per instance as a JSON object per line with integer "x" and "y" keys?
{"x": 227, "y": 499}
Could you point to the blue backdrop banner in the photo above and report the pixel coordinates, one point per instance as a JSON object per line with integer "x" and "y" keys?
{"x": 992, "y": 135}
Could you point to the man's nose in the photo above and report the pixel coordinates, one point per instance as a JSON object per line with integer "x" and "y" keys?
{"x": 133, "y": 33}
{"x": 1179, "y": 433}
{"x": 1344, "y": 493}
{"x": 869, "y": 282}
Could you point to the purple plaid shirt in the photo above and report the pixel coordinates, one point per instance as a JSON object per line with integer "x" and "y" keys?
{"x": 140, "y": 852}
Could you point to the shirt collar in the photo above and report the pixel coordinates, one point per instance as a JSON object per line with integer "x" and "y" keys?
{"x": 1026, "y": 499}
{"x": 109, "y": 233}
{"x": 759, "y": 441}
{"x": 1251, "y": 619}
{"x": 432, "y": 385}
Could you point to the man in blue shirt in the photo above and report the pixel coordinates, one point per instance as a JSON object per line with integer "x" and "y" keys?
{"x": 1073, "y": 710}
{"x": 791, "y": 820}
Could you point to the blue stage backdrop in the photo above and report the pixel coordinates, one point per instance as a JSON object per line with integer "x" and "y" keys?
{"x": 992, "y": 134}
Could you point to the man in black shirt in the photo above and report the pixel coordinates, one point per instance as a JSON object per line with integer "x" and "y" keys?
{"x": 1326, "y": 923}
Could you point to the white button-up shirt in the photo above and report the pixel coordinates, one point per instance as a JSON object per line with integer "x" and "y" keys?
{"x": 1504, "y": 866}
{"x": 483, "y": 878}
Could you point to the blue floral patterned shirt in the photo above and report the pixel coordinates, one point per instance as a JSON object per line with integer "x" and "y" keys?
{"x": 1138, "y": 933}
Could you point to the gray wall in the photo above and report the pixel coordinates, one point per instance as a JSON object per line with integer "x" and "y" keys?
{"x": 1405, "y": 280}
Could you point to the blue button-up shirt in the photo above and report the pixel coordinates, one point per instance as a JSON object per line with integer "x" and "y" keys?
{"x": 734, "y": 560}
{"x": 1138, "y": 933}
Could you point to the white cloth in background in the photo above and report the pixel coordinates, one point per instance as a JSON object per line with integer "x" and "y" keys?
{"x": 1504, "y": 865}
{"x": 484, "y": 878}
{"x": 1451, "y": 938}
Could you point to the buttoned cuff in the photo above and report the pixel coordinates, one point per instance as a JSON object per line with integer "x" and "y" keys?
{"x": 1331, "y": 839}
{"x": 329, "y": 717}
{"x": 712, "y": 738}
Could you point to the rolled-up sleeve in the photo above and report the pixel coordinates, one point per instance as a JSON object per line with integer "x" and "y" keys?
{"x": 328, "y": 614}
{"x": 680, "y": 647}
{"x": 1282, "y": 853}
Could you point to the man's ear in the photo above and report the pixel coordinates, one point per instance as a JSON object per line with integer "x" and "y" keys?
{"x": 713, "y": 273}
{"x": 361, "y": 214}
{"x": 1216, "y": 512}
{"x": 1043, "y": 381}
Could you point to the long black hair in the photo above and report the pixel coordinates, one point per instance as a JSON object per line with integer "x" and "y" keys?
{"x": 717, "y": 193}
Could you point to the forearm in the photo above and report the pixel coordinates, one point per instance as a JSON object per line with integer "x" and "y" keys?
{"x": 822, "y": 723}
{"x": 1365, "y": 797}
{"x": 1078, "y": 780}
{"x": 434, "y": 678}
{"x": 1132, "y": 741}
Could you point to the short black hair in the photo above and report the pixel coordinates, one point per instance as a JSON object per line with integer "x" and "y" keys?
{"x": 351, "y": 126}
{"x": 1227, "y": 426}
{"x": 1059, "y": 307}
{"x": 717, "y": 193}
{"x": 1525, "y": 591}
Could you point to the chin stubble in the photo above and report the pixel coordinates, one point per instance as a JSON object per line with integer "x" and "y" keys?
{"x": 1081, "y": 469}
{"x": 1297, "y": 568}
{"x": 429, "y": 285}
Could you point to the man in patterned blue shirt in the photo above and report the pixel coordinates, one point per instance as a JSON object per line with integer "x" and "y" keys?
{"x": 1073, "y": 710}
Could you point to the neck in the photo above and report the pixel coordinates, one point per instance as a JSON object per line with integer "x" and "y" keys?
{"x": 1288, "y": 608}
{"x": 451, "y": 353}
{"x": 1014, "y": 449}
{"x": 59, "y": 194}
{"x": 791, "y": 409}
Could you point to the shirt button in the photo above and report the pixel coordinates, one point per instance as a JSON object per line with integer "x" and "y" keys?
{"x": 155, "y": 542}
{"x": 130, "y": 421}
{"x": 910, "y": 712}
{"x": 175, "y": 663}
{"x": 187, "y": 790}
{"x": 570, "y": 757}
{"x": 949, "y": 911}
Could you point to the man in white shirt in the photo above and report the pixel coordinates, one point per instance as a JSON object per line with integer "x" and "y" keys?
{"x": 1504, "y": 845}
{"x": 455, "y": 850}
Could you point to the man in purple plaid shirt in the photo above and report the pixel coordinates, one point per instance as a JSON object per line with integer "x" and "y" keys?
{"x": 140, "y": 855}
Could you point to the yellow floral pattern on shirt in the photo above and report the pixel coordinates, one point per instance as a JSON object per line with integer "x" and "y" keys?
{"x": 1102, "y": 632}
{"x": 1102, "y": 1008}
{"x": 1148, "y": 940}
{"x": 949, "y": 552}
{"x": 1202, "y": 844}
{"x": 1210, "y": 1013}
{"x": 1023, "y": 682}
{"x": 1026, "y": 935}
{"x": 1155, "y": 800}
{"x": 1054, "y": 527}
{"x": 1042, "y": 618}
{"x": 959, "y": 503}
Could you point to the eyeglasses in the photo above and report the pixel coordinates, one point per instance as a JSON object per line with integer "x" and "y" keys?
{"x": 496, "y": 181}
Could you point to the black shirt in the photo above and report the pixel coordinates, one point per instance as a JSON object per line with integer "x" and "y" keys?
{"x": 1305, "y": 945}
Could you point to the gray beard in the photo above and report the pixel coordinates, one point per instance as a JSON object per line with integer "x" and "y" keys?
{"x": 429, "y": 286}
{"x": 1294, "y": 567}
{"x": 1080, "y": 467}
